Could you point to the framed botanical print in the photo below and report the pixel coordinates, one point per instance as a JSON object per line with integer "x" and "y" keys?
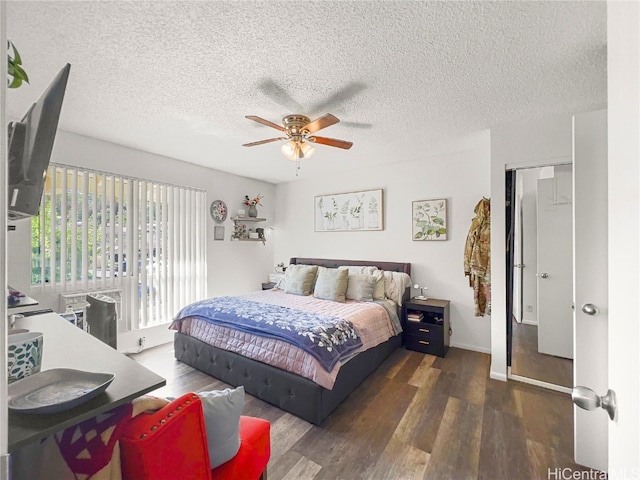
{"x": 349, "y": 212}
{"x": 429, "y": 219}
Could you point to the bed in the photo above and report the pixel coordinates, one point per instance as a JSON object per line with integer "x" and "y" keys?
{"x": 291, "y": 392}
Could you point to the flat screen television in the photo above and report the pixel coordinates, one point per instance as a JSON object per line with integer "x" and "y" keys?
{"x": 30, "y": 145}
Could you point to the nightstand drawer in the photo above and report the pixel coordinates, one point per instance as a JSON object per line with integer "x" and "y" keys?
{"x": 423, "y": 329}
{"x": 431, "y": 345}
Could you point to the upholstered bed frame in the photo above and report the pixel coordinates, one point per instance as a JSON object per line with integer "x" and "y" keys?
{"x": 285, "y": 390}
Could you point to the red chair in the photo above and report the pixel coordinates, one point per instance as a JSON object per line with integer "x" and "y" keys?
{"x": 171, "y": 443}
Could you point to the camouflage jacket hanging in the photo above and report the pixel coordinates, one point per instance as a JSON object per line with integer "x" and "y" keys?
{"x": 477, "y": 257}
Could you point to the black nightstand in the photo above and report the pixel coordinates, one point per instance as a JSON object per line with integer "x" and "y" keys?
{"x": 268, "y": 286}
{"x": 429, "y": 334}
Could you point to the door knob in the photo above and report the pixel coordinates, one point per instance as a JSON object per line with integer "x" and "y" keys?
{"x": 590, "y": 309}
{"x": 543, "y": 275}
{"x": 587, "y": 399}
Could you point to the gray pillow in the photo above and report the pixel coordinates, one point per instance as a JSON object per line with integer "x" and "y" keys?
{"x": 299, "y": 279}
{"x": 361, "y": 287}
{"x": 222, "y": 410}
{"x": 331, "y": 284}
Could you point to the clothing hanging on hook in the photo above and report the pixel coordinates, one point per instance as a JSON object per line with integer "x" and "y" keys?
{"x": 477, "y": 257}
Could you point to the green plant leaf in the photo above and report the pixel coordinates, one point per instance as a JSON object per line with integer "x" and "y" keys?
{"x": 421, "y": 223}
{"x": 438, "y": 220}
{"x": 443, "y": 231}
{"x": 15, "y": 83}
{"x": 418, "y": 235}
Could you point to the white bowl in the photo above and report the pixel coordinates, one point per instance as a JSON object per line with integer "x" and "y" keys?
{"x": 24, "y": 355}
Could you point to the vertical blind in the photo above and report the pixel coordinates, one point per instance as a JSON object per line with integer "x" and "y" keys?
{"x": 98, "y": 231}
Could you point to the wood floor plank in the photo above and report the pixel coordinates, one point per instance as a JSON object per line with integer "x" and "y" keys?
{"x": 421, "y": 375}
{"x": 399, "y": 460}
{"x": 503, "y": 447}
{"x": 289, "y": 429}
{"x": 394, "y": 363}
{"x": 415, "y": 417}
{"x": 456, "y": 452}
{"x": 303, "y": 470}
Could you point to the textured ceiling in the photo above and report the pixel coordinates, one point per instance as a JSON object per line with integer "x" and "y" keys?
{"x": 177, "y": 78}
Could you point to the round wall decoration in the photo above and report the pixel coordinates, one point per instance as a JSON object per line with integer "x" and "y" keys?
{"x": 218, "y": 211}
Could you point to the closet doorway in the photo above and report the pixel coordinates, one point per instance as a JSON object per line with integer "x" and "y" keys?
{"x": 540, "y": 260}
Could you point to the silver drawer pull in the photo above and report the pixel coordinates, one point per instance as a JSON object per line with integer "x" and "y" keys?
{"x": 424, "y": 330}
{"x": 422, "y": 341}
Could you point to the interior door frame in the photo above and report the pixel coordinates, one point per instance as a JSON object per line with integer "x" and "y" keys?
{"x": 513, "y": 167}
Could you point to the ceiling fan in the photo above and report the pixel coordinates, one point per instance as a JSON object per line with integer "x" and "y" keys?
{"x": 298, "y": 130}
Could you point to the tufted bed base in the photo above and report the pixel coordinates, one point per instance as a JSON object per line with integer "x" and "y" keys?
{"x": 292, "y": 393}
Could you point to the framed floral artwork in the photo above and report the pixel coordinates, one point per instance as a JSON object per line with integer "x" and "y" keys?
{"x": 349, "y": 212}
{"x": 429, "y": 219}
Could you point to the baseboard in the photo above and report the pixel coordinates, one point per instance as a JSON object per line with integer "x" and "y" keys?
{"x": 526, "y": 321}
{"x": 498, "y": 376}
{"x": 540, "y": 383}
{"x": 473, "y": 348}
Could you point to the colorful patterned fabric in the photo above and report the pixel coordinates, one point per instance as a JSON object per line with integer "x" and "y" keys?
{"x": 328, "y": 339}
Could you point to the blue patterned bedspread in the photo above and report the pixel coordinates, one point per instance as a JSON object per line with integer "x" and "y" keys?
{"x": 328, "y": 339}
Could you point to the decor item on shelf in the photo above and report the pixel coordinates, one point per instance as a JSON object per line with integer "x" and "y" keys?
{"x": 349, "y": 211}
{"x": 218, "y": 211}
{"x": 239, "y": 231}
{"x": 429, "y": 219}
{"x": 241, "y": 212}
{"x": 422, "y": 290}
{"x": 14, "y": 68}
{"x": 24, "y": 354}
{"x": 218, "y": 233}
{"x": 298, "y": 129}
{"x": 280, "y": 268}
{"x": 251, "y": 203}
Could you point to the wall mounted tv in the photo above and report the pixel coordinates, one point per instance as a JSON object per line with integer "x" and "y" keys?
{"x": 30, "y": 145}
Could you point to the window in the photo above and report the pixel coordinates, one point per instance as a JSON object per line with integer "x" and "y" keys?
{"x": 97, "y": 230}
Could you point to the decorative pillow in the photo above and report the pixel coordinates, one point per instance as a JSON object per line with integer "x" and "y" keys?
{"x": 378, "y": 291}
{"x": 395, "y": 284}
{"x": 361, "y": 287}
{"x": 353, "y": 269}
{"x": 331, "y": 284}
{"x": 222, "y": 409}
{"x": 299, "y": 279}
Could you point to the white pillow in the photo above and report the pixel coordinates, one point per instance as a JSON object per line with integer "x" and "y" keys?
{"x": 222, "y": 410}
{"x": 378, "y": 293}
{"x": 354, "y": 269}
{"x": 361, "y": 287}
{"x": 300, "y": 279}
{"x": 331, "y": 284}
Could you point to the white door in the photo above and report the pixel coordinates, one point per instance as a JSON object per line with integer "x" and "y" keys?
{"x": 590, "y": 282}
{"x": 555, "y": 264}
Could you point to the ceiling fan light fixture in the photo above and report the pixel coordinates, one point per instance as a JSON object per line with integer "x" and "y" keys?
{"x": 296, "y": 150}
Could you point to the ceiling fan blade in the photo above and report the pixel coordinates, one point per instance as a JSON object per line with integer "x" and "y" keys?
{"x": 332, "y": 142}
{"x": 320, "y": 123}
{"x": 260, "y": 142}
{"x": 265, "y": 122}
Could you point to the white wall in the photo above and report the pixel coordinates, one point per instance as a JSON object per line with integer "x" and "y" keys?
{"x": 623, "y": 77}
{"x": 232, "y": 267}
{"x": 525, "y": 144}
{"x": 460, "y": 175}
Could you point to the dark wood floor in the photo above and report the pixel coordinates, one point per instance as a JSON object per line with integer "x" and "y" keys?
{"x": 416, "y": 417}
{"x": 526, "y": 361}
